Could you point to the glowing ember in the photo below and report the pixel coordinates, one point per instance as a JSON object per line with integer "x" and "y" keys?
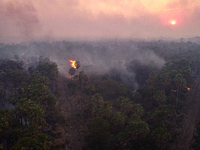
{"x": 187, "y": 88}
{"x": 73, "y": 63}
{"x": 174, "y": 90}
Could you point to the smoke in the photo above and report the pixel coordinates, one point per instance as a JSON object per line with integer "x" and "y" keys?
{"x": 51, "y": 19}
{"x": 19, "y": 19}
{"x": 121, "y": 60}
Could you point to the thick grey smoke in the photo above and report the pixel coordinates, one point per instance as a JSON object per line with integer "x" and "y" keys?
{"x": 115, "y": 58}
{"x": 122, "y": 60}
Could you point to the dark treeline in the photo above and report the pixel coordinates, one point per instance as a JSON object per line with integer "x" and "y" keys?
{"x": 121, "y": 95}
{"x": 28, "y": 102}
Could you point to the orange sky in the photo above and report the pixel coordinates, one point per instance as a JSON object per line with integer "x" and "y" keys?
{"x": 98, "y": 18}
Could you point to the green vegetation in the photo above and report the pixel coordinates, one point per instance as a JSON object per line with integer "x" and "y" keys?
{"x": 47, "y": 110}
{"x": 24, "y": 127}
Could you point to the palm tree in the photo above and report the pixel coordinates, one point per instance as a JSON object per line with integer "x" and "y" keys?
{"x": 100, "y": 137}
{"x": 48, "y": 69}
{"x": 82, "y": 77}
{"x": 23, "y": 90}
{"x": 160, "y": 97}
{"x": 44, "y": 141}
{"x": 135, "y": 117}
{"x": 180, "y": 82}
{"x": 137, "y": 96}
{"x": 18, "y": 77}
{"x": 164, "y": 78}
{"x": 119, "y": 101}
{"x": 123, "y": 139}
{"x": 97, "y": 99}
{"x": 6, "y": 120}
{"x": 137, "y": 129}
{"x": 35, "y": 76}
{"x": 104, "y": 110}
{"x": 39, "y": 141}
{"x": 161, "y": 137}
{"x": 77, "y": 64}
{"x": 138, "y": 109}
{"x": 38, "y": 92}
{"x": 36, "y": 115}
{"x": 125, "y": 104}
{"x": 161, "y": 113}
{"x": 153, "y": 77}
{"x": 72, "y": 71}
{"x": 22, "y": 107}
{"x": 119, "y": 119}
{"x": 122, "y": 89}
{"x": 91, "y": 88}
{"x": 51, "y": 100}
{"x": 28, "y": 109}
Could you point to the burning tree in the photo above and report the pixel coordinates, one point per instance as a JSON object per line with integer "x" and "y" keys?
{"x": 75, "y": 65}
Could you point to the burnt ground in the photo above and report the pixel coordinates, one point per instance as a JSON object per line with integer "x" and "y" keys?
{"x": 191, "y": 117}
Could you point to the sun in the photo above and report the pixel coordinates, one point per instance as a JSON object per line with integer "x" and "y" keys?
{"x": 173, "y": 22}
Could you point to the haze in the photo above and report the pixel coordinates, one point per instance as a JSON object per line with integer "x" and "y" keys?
{"x": 23, "y": 20}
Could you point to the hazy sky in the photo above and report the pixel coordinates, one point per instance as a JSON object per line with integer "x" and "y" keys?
{"x": 30, "y": 19}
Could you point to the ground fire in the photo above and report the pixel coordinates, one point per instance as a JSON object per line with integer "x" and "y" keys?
{"x": 174, "y": 90}
{"x": 185, "y": 87}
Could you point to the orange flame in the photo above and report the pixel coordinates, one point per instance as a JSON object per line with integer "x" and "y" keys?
{"x": 187, "y": 88}
{"x": 174, "y": 90}
{"x": 73, "y": 63}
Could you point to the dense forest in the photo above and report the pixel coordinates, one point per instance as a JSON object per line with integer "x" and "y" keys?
{"x": 113, "y": 95}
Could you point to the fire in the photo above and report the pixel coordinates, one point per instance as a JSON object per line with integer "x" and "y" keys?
{"x": 187, "y": 88}
{"x": 73, "y": 63}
